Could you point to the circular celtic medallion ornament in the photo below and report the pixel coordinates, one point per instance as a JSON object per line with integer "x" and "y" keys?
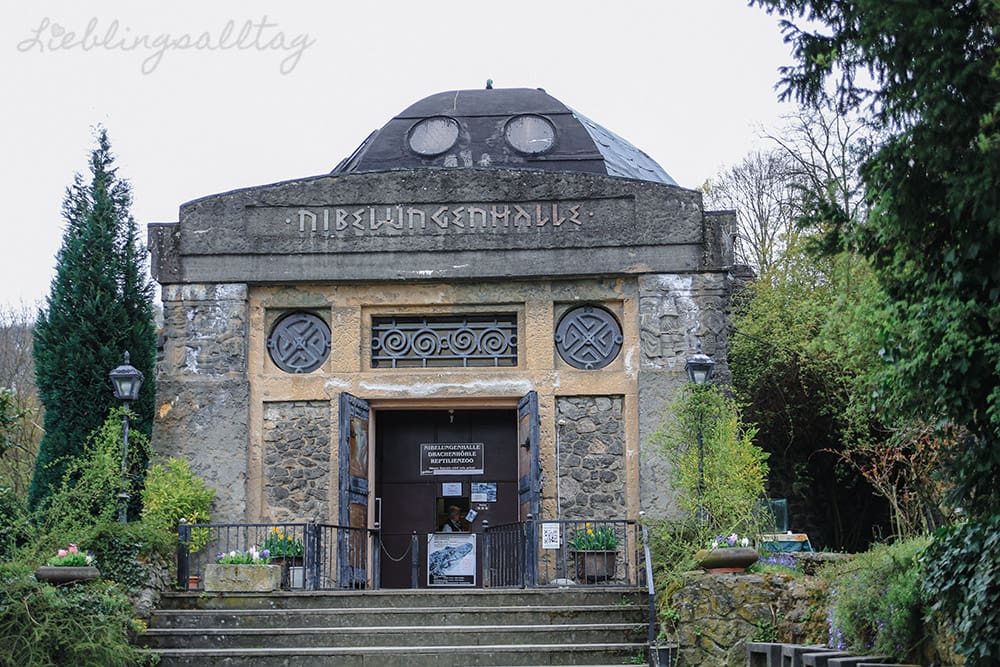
{"x": 588, "y": 337}
{"x": 299, "y": 342}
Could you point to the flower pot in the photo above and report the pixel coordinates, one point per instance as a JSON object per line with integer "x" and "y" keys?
{"x": 288, "y": 564}
{"x": 60, "y": 575}
{"x": 296, "y": 576}
{"x": 227, "y": 578}
{"x": 596, "y": 566}
{"x": 193, "y": 581}
{"x": 733, "y": 559}
{"x": 665, "y": 654}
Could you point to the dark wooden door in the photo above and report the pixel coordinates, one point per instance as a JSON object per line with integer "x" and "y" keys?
{"x": 352, "y": 545}
{"x": 411, "y": 502}
{"x": 529, "y": 478}
{"x": 529, "y": 475}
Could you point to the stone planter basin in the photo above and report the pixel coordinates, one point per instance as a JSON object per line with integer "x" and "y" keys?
{"x": 60, "y": 575}
{"x": 733, "y": 559}
{"x": 226, "y": 578}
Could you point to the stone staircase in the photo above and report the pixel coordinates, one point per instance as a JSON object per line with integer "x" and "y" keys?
{"x": 443, "y": 628}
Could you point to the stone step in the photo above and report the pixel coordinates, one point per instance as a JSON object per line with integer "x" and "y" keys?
{"x": 418, "y": 635}
{"x": 409, "y": 656}
{"x": 406, "y": 598}
{"x": 822, "y": 658}
{"x": 368, "y": 616}
{"x": 425, "y": 627}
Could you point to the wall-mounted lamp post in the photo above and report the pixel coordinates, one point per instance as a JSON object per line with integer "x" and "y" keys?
{"x": 699, "y": 369}
{"x": 127, "y": 380}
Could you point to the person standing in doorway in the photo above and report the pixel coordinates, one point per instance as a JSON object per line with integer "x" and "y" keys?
{"x": 454, "y": 522}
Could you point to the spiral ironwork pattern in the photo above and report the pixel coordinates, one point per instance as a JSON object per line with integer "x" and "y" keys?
{"x": 299, "y": 342}
{"x": 588, "y": 337}
{"x": 423, "y": 342}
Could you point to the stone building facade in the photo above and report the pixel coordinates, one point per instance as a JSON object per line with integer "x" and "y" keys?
{"x": 490, "y": 270}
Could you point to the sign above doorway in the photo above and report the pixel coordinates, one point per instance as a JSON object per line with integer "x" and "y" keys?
{"x": 451, "y": 458}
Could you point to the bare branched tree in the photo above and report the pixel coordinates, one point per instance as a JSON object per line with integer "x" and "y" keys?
{"x": 826, "y": 151}
{"x": 17, "y": 377}
{"x": 815, "y": 157}
{"x": 764, "y": 191}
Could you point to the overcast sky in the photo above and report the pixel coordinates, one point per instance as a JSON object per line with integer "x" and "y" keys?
{"x": 205, "y": 97}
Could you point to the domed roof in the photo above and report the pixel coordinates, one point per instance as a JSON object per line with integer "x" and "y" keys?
{"x": 509, "y": 128}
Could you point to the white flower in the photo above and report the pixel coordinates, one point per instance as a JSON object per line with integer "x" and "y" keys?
{"x": 745, "y": 541}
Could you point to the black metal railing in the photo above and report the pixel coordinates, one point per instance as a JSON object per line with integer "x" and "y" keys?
{"x": 315, "y": 556}
{"x": 609, "y": 552}
{"x": 585, "y": 552}
{"x": 651, "y": 653}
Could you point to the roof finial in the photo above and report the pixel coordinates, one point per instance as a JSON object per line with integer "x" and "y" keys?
{"x": 489, "y": 84}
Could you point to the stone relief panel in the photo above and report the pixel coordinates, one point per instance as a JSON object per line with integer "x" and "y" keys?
{"x": 296, "y": 460}
{"x": 591, "y": 457}
{"x": 205, "y": 330}
{"x": 676, "y": 311}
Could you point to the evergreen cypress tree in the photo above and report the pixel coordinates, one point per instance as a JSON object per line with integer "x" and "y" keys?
{"x": 99, "y": 306}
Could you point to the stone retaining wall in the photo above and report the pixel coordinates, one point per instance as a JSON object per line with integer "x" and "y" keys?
{"x": 719, "y": 613}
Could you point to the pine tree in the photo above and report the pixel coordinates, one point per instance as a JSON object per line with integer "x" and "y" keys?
{"x": 99, "y": 306}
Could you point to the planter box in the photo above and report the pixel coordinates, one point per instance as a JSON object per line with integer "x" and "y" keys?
{"x": 596, "y": 566}
{"x": 223, "y": 578}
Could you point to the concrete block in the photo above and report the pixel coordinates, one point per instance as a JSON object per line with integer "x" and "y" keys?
{"x": 763, "y": 654}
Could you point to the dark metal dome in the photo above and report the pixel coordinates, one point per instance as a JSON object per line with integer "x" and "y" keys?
{"x": 510, "y": 128}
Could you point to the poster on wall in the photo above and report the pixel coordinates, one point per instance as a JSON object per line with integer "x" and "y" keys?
{"x": 451, "y": 559}
{"x": 451, "y": 458}
{"x": 484, "y": 492}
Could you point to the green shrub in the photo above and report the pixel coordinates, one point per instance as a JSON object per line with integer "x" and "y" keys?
{"x": 88, "y": 493}
{"x": 172, "y": 492}
{"x": 50, "y": 626}
{"x": 877, "y": 601}
{"x": 122, "y": 551}
{"x": 962, "y": 578}
{"x": 735, "y": 470}
{"x": 673, "y": 544}
{"x": 15, "y": 528}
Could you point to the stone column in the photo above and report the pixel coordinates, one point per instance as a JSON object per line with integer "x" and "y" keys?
{"x": 202, "y": 400}
{"x": 676, "y": 312}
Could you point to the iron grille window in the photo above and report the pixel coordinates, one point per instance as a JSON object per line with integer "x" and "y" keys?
{"x": 429, "y": 342}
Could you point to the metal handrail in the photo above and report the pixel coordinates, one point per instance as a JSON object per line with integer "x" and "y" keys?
{"x": 651, "y": 589}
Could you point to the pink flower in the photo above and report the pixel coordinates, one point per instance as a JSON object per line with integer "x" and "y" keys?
{"x": 73, "y": 549}
{"x": 61, "y": 553}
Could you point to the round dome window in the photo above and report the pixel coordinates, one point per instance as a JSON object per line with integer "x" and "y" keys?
{"x": 433, "y": 136}
{"x": 530, "y": 134}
